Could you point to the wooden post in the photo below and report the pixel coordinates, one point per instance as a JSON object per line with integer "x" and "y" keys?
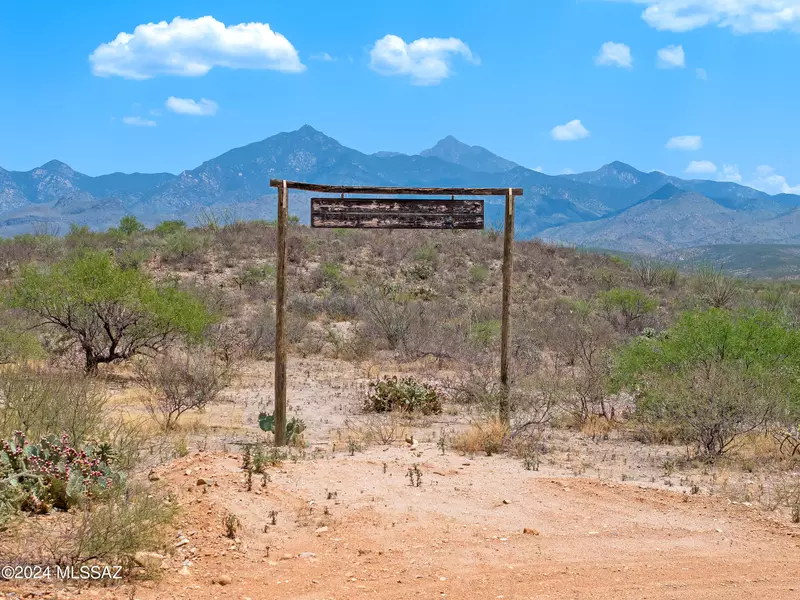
{"x": 280, "y": 318}
{"x": 508, "y": 240}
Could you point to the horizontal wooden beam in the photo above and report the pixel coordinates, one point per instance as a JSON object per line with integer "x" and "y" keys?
{"x": 391, "y": 191}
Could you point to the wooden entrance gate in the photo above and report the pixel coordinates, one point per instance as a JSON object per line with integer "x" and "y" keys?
{"x": 373, "y": 213}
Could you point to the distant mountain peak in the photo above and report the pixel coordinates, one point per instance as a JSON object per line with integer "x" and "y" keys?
{"x": 57, "y": 165}
{"x": 476, "y": 158}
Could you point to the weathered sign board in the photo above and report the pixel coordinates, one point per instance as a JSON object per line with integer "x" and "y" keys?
{"x": 381, "y": 213}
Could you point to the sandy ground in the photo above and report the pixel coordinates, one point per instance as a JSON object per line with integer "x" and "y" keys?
{"x": 352, "y": 526}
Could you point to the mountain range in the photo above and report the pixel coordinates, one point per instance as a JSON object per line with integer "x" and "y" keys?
{"x": 615, "y": 207}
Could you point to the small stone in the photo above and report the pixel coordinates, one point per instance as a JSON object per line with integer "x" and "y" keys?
{"x": 204, "y": 481}
{"x": 148, "y": 560}
{"x": 154, "y": 476}
{"x": 320, "y": 530}
{"x": 287, "y": 557}
{"x": 184, "y": 570}
{"x": 183, "y": 542}
{"x": 188, "y": 471}
{"x": 530, "y": 531}
{"x": 306, "y": 555}
{"x": 222, "y": 580}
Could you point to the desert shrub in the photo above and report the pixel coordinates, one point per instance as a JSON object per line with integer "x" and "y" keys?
{"x": 39, "y": 402}
{"x": 651, "y": 273}
{"x": 133, "y": 258}
{"x": 184, "y": 244}
{"x": 406, "y": 394}
{"x": 485, "y": 333}
{"x": 341, "y": 307}
{"x": 169, "y": 227}
{"x": 54, "y": 473}
{"x": 488, "y": 437}
{"x": 715, "y": 288}
{"x": 478, "y": 274}
{"x": 132, "y": 519}
{"x": 259, "y": 340}
{"x": 128, "y": 225}
{"x": 110, "y": 313}
{"x": 579, "y": 341}
{"x": 254, "y": 275}
{"x": 715, "y": 375}
{"x": 18, "y": 346}
{"x": 390, "y": 312}
{"x": 179, "y": 382}
{"x": 626, "y": 305}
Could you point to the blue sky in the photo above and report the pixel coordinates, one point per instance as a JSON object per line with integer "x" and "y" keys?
{"x": 511, "y": 75}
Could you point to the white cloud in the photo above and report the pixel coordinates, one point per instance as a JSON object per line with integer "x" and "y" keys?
{"x": 742, "y": 16}
{"x": 701, "y": 166}
{"x": 612, "y": 53}
{"x": 685, "y": 142}
{"x": 187, "y": 106}
{"x": 155, "y": 112}
{"x": 671, "y": 57}
{"x": 323, "y": 56}
{"x": 426, "y": 60}
{"x": 730, "y": 173}
{"x": 701, "y": 74}
{"x": 192, "y": 47}
{"x": 767, "y": 180}
{"x": 138, "y": 122}
{"x": 574, "y": 130}
{"x": 539, "y": 169}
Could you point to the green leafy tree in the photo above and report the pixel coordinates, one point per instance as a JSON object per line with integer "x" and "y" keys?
{"x": 111, "y": 313}
{"x": 715, "y": 374}
{"x": 128, "y": 225}
{"x": 168, "y": 227}
{"x": 629, "y": 305}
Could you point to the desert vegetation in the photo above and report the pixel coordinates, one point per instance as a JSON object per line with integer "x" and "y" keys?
{"x": 174, "y": 319}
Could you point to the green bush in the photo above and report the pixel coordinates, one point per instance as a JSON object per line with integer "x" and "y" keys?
{"x": 627, "y": 304}
{"x": 128, "y": 225}
{"x": 169, "y": 227}
{"x": 715, "y": 375}
{"x": 406, "y": 394}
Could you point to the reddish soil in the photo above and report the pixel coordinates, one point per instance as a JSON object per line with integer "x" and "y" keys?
{"x": 460, "y": 535}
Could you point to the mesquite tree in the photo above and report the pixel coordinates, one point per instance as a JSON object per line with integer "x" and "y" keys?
{"x": 111, "y": 313}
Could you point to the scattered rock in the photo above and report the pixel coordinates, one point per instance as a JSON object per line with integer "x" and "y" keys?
{"x": 148, "y": 560}
{"x": 530, "y": 531}
{"x": 184, "y": 570}
{"x": 222, "y": 580}
{"x": 320, "y": 530}
{"x": 204, "y": 481}
{"x": 154, "y": 476}
{"x": 306, "y": 555}
{"x": 182, "y": 542}
{"x": 287, "y": 557}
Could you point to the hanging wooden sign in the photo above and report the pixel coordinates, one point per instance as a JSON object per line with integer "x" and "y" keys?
{"x": 373, "y": 213}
